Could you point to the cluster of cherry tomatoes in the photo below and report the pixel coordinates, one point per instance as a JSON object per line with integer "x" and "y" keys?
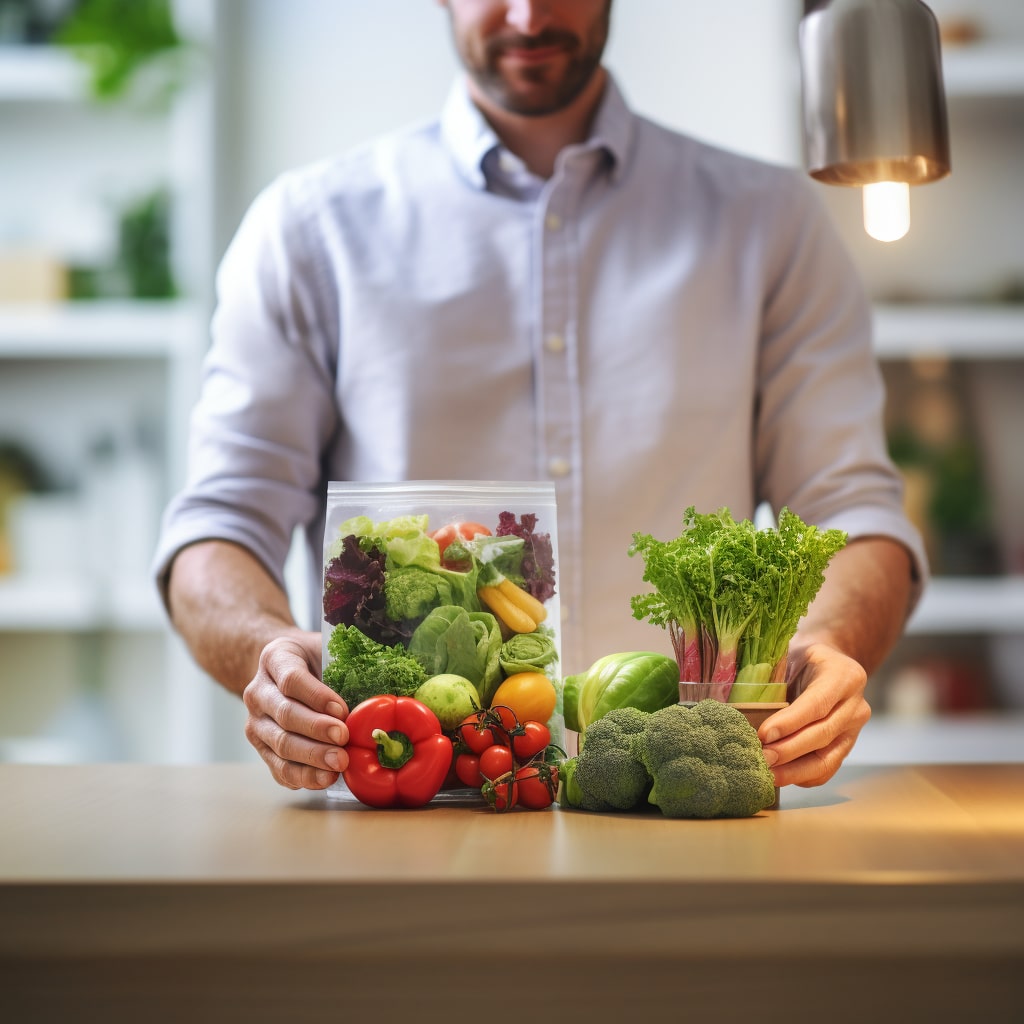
{"x": 513, "y": 763}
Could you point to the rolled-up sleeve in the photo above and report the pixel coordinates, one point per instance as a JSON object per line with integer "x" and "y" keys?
{"x": 821, "y": 447}
{"x": 267, "y": 406}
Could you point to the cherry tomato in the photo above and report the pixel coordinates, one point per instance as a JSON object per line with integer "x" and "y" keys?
{"x": 508, "y": 720}
{"x": 533, "y": 739}
{"x": 535, "y": 790}
{"x": 495, "y": 761}
{"x": 452, "y": 780}
{"x": 531, "y": 695}
{"x": 477, "y": 739}
{"x": 503, "y": 796}
{"x": 467, "y": 769}
{"x": 465, "y": 530}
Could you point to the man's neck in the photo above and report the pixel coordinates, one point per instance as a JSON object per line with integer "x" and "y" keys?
{"x": 537, "y": 141}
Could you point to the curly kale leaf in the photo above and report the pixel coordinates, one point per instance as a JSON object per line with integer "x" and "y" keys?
{"x": 360, "y": 667}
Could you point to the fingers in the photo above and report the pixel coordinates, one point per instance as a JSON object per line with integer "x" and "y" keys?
{"x": 286, "y": 662}
{"x": 817, "y": 767}
{"x": 295, "y": 722}
{"x": 807, "y": 742}
{"x": 292, "y": 774}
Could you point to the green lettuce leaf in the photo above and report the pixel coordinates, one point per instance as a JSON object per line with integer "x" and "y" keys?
{"x": 467, "y": 644}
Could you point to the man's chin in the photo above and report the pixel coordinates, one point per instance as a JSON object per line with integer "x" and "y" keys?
{"x": 531, "y": 98}
{"x": 532, "y": 106}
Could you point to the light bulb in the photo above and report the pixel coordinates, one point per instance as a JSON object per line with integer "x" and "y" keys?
{"x": 887, "y": 210}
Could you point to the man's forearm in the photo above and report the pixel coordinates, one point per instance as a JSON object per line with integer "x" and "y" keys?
{"x": 227, "y": 608}
{"x": 862, "y": 607}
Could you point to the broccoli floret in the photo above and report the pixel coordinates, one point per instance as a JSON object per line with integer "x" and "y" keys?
{"x": 699, "y": 762}
{"x": 706, "y": 762}
{"x": 359, "y": 667}
{"x": 608, "y": 774}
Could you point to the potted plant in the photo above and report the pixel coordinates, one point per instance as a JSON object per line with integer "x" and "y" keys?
{"x": 128, "y": 46}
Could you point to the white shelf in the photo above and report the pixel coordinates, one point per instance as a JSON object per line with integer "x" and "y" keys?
{"x": 40, "y": 74}
{"x": 965, "y": 738}
{"x": 78, "y": 604}
{"x": 966, "y": 605}
{"x": 984, "y": 70}
{"x": 981, "y": 331}
{"x": 48, "y": 89}
{"x": 94, "y": 330}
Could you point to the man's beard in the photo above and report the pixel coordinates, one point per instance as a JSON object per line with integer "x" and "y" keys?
{"x": 547, "y": 90}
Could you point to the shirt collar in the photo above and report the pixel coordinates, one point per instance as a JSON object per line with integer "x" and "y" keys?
{"x": 471, "y": 140}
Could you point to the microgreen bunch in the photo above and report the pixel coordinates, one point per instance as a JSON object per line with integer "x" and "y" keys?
{"x": 730, "y": 595}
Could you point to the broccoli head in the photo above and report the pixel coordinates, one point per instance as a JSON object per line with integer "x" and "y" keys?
{"x": 608, "y": 774}
{"x": 699, "y": 762}
{"x": 706, "y": 762}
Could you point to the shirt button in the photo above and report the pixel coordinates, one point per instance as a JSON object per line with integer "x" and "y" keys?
{"x": 552, "y": 222}
{"x": 554, "y": 343}
{"x": 558, "y": 466}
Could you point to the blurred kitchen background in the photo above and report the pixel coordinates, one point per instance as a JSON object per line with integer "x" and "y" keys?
{"x": 123, "y": 175}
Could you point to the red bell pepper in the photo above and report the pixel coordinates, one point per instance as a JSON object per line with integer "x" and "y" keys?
{"x": 397, "y": 754}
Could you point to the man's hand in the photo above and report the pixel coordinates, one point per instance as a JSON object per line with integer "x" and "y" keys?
{"x": 236, "y": 621}
{"x": 295, "y": 721}
{"x": 806, "y": 742}
{"x": 849, "y": 629}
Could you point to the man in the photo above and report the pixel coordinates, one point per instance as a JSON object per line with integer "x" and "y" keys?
{"x": 540, "y": 284}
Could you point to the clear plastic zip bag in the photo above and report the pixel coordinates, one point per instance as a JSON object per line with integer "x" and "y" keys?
{"x": 444, "y": 578}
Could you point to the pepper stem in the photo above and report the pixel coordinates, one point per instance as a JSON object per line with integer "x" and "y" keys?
{"x": 393, "y": 748}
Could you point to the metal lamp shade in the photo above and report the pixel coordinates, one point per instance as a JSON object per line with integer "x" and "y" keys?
{"x": 874, "y": 104}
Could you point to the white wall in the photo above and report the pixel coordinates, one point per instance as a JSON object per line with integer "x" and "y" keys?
{"x": 993, "y": 19}
{"x": 307, "y": 78}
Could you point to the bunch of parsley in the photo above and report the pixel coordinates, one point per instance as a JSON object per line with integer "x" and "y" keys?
{"x": 731, "y": 595}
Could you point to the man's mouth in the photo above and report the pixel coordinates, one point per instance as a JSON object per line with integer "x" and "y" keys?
{"x": 532, "y": 51}
{"x": 532, "y": 55}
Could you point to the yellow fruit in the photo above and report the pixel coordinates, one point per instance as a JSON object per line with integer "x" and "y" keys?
{"x": 530, "y": 695}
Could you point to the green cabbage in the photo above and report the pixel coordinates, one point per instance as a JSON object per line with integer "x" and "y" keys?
{"x": 528, "y": 652}
{"x": 634, "y": 679}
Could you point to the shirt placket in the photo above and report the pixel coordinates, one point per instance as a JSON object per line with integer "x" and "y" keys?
{"x": 556, "y": 357}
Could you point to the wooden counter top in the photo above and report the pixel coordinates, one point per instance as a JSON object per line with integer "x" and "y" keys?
{"x": 887, "y": 870}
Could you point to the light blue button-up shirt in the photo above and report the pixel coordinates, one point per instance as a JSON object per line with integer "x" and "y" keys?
{"x": 660, "y": 324}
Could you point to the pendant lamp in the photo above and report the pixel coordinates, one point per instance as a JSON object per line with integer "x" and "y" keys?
{"x": 874, "y": 107}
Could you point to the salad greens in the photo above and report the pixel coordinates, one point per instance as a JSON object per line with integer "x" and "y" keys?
{"x": 732, "y": 596}
{"x": 385, "y": 577}
{"x": 360, "y": 667}
{"x": 394, "y": 594}
{"x": 537, "y": 568}
{"x": 451, "y": 640}
{"x": 411, "y": 591}
{"x": 528, "y": 652}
